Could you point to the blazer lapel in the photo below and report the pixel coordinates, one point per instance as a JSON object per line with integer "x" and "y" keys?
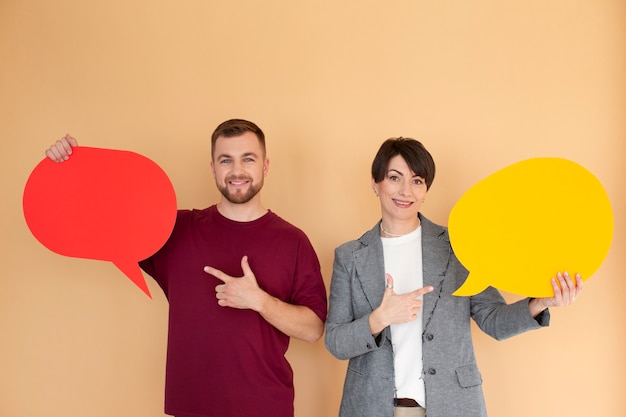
{"x": 368, "y": 261}
{"x": 435, "y": 258}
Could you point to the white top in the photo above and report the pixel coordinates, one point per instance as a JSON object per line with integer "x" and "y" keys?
{"x": 403, "y": 260}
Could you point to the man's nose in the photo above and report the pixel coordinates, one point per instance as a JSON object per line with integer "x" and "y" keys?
{"x": 237, "y": 167}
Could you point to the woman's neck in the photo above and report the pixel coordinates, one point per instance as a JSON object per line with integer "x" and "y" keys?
{"x": 398, "y": 229}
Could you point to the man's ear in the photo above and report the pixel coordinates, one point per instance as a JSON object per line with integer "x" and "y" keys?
{"x": 266, "y": 166}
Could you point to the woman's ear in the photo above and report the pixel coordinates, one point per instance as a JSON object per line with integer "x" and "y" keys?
{"x": 375, "y": 187}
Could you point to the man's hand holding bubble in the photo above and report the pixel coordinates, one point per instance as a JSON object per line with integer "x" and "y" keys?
{"x": 101, "y": 204}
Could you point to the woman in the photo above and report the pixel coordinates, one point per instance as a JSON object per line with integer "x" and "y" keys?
{"x": 392, "y": 313}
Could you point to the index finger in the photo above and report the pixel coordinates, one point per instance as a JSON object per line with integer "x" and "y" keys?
{"x": 421, "y": 291}
{"x": 217, "y": 273}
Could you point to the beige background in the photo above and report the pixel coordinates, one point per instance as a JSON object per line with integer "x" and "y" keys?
{"x": 483, "y": 84}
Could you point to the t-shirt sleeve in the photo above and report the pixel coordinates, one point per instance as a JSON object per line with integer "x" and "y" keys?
{"x": 309, "y": 289}
{"x": 155, "y": 264}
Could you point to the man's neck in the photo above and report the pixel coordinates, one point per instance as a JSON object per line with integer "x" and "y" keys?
{"x": 246, "y": 212}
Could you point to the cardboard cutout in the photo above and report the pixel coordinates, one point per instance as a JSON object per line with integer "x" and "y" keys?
{"x": 517, "y": 228}
{"x": 102, "y": 204}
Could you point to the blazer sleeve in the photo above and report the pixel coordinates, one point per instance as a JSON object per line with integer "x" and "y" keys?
{"x": 347, "y": 326}
{"x": 501, "y": 320}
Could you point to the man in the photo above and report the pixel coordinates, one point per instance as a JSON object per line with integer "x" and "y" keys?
{"x": 240, "y": 282}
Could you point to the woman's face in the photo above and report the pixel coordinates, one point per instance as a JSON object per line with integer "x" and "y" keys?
{"x": 401, "y": 192}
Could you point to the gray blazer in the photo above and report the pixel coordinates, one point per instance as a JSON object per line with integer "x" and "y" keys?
{"x": 451, "y": 376}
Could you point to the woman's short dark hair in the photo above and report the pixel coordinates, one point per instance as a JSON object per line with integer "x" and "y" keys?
{"x": 236, "y": 127}
{"x": 412, "y": 151}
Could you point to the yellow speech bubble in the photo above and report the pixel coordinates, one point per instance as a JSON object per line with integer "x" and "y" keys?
{"x": 516, "y": 228}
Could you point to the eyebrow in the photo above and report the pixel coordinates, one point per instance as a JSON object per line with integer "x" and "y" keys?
{"x": 401, "y": 174}
{"x": 246, "y": 154}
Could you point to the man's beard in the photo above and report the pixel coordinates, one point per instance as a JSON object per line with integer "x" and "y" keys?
{"x": 240, "y": 197}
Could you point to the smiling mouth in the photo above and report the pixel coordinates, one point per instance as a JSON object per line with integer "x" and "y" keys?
{"x": 237, "y": 182}
{"x": 400, "y": 203}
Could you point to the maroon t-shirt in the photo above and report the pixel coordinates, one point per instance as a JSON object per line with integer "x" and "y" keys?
{"x": 221, "y": 361}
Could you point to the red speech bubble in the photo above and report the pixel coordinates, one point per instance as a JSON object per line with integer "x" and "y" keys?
{"x": 102, "y": 204}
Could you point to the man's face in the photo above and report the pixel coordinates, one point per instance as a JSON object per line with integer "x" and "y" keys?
{"x": 239, "y": 167}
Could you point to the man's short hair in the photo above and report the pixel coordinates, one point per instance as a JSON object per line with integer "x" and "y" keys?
{"x": 236, "y": 127}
